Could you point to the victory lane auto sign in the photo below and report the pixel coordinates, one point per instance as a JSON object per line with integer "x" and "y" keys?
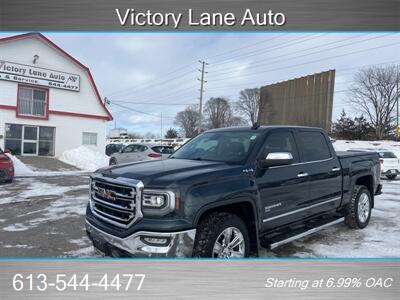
{"x": 38, "y": 76}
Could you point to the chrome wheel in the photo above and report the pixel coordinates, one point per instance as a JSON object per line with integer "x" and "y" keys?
{"x": 363, "y": 208}
{"x": 229, "y": 244}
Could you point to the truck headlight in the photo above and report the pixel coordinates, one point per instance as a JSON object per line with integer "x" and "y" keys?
{"x": 152, "y": 200}
{"x": 158, "y": 202}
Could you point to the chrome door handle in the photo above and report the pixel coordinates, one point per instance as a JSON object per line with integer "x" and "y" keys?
{"x": 301, "y": 175}
{"x": 335, "y": 169}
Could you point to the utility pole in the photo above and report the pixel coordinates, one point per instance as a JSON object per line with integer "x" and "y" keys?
{"x": 202, "y": 81}
{"x": 161, "y": 127}
{"x": 397, "y": 103}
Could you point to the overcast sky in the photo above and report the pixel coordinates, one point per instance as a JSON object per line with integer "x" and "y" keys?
{"x": 163, "y": 67}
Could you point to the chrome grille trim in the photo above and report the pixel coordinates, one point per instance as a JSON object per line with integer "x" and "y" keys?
{"x": 133, "y": 210}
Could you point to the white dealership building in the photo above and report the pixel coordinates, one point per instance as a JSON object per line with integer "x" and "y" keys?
{"x": 49, "y": 101}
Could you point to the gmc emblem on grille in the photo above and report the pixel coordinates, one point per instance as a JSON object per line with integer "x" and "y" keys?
{"x": 107, "y": 194}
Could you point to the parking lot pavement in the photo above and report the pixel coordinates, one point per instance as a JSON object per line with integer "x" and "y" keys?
{"x": 44, "y": 217}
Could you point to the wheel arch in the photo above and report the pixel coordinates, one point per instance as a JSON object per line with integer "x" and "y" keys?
{"x": 244, "y": 208}
{"x": 368, "y": 182}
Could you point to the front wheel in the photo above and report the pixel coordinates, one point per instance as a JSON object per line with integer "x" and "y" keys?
{"x": 113, "y": 161}
{"x": 359, "y": 210}
{"x": 222, "y": 235}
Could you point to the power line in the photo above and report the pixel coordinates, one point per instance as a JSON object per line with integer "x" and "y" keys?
{"x": 139, "y": 111}
{"x": 154, "y": 103}
{"x": 310, "y": 62}
{"x": 146, "y": 87}
{"x": 176, "y": 94}
{"x": 271, "y": 60}
{"x": 275, "y": 47}
{"x": 244, "y": 47}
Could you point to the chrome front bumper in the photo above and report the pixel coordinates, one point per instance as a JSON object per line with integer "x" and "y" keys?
{"x": 177, "y": 244}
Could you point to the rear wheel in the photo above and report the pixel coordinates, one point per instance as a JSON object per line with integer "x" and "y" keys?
{"x": 391, "y": 177}
{"x": 222, "y": 235}
{"x": 359, "y": 211}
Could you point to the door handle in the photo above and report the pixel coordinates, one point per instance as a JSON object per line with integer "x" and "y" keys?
{"x": 302, "y": 174}
{"x": 335, "y": 169}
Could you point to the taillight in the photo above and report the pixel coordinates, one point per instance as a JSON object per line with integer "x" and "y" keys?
{"x": 154, "y": 155}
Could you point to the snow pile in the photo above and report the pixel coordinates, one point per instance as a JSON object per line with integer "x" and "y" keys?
{"x": 85, "y": 158}
{"x": 343, "y": 145}
{"x": 20, "y": 169}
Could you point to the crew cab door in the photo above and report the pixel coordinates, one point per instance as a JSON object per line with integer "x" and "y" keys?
{"x": 323, "y": 171}
{"x": 281, "y": 188}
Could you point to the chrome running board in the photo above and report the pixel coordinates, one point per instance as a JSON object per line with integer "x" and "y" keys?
{"x": 305, "y": 233}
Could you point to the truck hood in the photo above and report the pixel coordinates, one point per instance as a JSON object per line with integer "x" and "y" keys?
{"x": 163, "y": 173}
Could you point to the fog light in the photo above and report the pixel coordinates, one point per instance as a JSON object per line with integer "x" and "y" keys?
{"x": 157, "y": 241}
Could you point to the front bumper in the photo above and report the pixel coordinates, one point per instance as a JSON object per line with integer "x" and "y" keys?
{"x": 177, "y": 244}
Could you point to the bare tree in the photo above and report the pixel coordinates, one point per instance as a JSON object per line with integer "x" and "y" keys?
{"x": 218, "y": 113}
{"x": 171, "y": 133}
{"x": 374, "y": 93}
{"x": 249, "y": 104}
{"x": 188, "y": 120}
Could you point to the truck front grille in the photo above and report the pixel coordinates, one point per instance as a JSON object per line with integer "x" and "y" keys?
{"x": 113, "y": 202}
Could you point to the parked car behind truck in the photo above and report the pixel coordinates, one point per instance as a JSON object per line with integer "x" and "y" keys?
{"x": 140, "y": 152}
{"x": 229, "y": 191}
{"x": 6, "y": 167}
{"x": 390, "y": 163}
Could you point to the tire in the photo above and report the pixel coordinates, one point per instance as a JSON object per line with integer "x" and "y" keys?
{"x": 9, "y": 180}
{"x": 113, "y": 161}
{"x": 355, "y": 218}
{"x": 214, "y": 228}
{"x": 391, "y": 177}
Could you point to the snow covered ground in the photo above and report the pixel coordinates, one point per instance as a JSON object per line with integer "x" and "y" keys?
{"x": 44, "y": 217}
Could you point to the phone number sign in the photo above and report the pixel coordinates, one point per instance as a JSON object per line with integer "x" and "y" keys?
{"x": 11, "y": 71}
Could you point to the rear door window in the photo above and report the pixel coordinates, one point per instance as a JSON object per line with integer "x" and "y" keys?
{"x": 314, "y": 146}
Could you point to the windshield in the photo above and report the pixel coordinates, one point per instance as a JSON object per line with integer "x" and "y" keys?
{"x": 224, "y": 146}
{"x": 387, "y": 155}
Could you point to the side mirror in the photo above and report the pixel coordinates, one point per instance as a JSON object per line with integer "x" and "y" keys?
{"x": 276, "y": 159}
{"x": 7, "y": 151}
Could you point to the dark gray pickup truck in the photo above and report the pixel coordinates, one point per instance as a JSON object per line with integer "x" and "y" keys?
{"x": 230, "y": 191}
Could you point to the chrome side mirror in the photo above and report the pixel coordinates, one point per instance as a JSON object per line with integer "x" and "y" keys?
{"x": 274, "y": 159}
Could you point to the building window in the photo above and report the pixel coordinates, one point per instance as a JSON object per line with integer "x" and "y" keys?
{"x": 32, "y": 102}
{"x": 89, "y": 138}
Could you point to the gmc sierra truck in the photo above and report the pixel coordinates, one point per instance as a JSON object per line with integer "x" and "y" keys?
{"x": 228, "y": 192}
